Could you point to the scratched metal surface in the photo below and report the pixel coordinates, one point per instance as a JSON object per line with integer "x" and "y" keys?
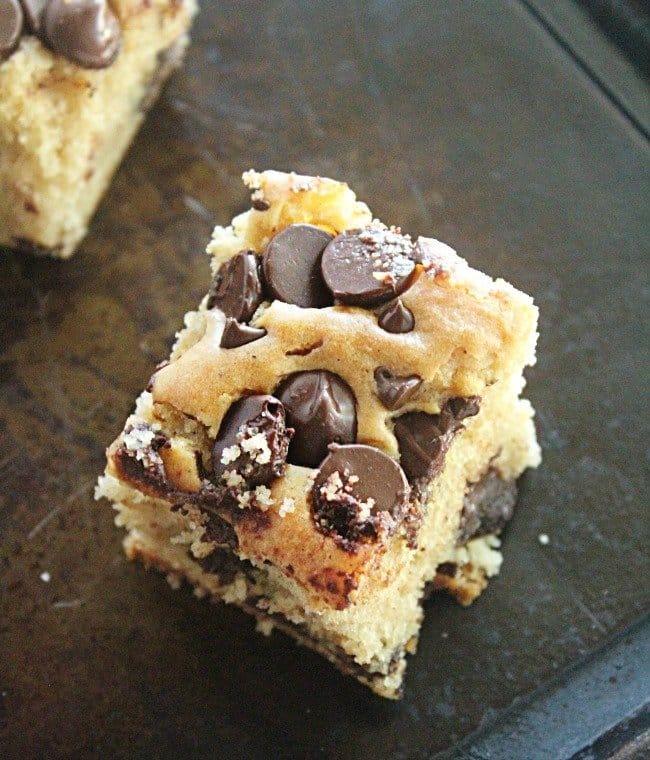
{"x": 463, "y": 120}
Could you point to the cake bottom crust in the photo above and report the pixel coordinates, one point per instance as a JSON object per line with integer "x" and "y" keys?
{"x": 461, "y": 577}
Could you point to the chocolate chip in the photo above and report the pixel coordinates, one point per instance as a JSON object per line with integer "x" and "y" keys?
{"x": 321, "y": 407}
{"x": 138, "y": 457}
{"x": 259, "y": 204}
{"x": 34, "y": 13}
{"x": 395, "y": 390}
{"x": 237, "y": 288}
{"x": 11, "y": 25}
{"x": 487, "y": 506}
{"x": 367, "y": 267}
{"x": 464, "y": 406}
{"x": 359, "y": 494}
{"x": 291, "y": 265}
{"x": 253, "y": 441}
{"x": 396, "y": 318}
{"x": 86, "y": 32}
{"x": 425, "y": 438}
{"x": 447, "y": 568}
{"x": 235, "y": 334}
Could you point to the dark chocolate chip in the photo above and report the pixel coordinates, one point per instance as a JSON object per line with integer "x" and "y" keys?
{"x": 487, "y": 507}
{"x": 86, "y": 32}
{"x": 464, "y": 406}
{"x": 235, "y": 334}
{"x": 367, "y": 267}
{"x": 425, "y": 438}
{"x": 11, "y": 25}
{"x": 395, "y": 390}
{"x": 259, "y": 204}
{"x": 359, "y": 494}
{"x": 396, "y": 318}
{"x": 237, "y": 288}
{"x": 292, "y": 266}
{"x": 321, "y": 407}
{"x": 245, "y": 419}
{"x": 34, "y": 13}
{"x": 142, "y": 462}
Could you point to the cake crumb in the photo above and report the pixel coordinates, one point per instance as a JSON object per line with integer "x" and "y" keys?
{"x": 45, "y": 577}
{"x": 174, "y": 580}
{"x": 263, "y": 498}
{"x": 543, "y": 539}
{"x": 265, "y": 627}
{"x": 244, "y": 499}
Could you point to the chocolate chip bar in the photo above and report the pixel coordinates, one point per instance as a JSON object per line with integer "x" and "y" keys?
{"x": 76, "y": 78}
{"x": 338, "y": 429}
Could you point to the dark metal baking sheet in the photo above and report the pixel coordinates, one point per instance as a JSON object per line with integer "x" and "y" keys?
{"x": 466, "y": 120}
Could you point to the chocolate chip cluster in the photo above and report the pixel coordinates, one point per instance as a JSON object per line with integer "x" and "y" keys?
{"x": 359, "y": 493}
{"x": 306, "y": 266}
{"x": 86, "y": 32}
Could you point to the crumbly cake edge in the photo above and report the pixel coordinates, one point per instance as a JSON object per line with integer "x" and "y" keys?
{"x": 477, "y": 561}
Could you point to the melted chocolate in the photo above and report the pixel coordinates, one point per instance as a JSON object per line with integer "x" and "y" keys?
{"x": 425, "y": 438}
{"x": 237, "y": 287}
{"x": 248, "y": 418}
{"x": 359, "y": 494}
{"x": 86, "y": 32}
{"x": 488, "y": 506}
{"x": 396, "y": 318}
{"x": 11, "y": 25}
{"x": 235, "y": 334}
{"x": 395, "y": 390}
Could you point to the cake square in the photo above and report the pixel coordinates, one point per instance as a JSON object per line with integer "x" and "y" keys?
{"x": 338, "y": 429}
{"x": 76, "y": 79}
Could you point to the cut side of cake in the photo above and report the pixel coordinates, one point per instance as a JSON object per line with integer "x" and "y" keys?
{"x": 338, "y": 429}
{"x": 76, "y": 80}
